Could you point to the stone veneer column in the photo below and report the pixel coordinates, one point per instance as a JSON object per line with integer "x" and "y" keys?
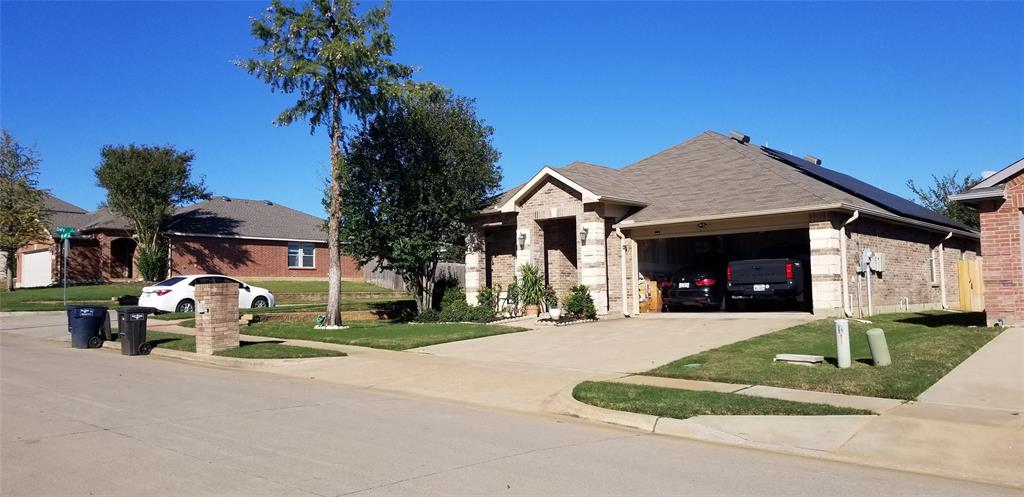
{"x": 217, "y": 327}
{"x": 593, "y": 260}
{"x": 476, "y": 264}
{"x": 826, "y": 264}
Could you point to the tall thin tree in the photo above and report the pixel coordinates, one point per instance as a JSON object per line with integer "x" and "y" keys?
{"x": 339, "y": 62}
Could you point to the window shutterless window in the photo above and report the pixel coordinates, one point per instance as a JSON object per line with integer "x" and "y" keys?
{"x": 301, "y": 255}
{"x": 933, "y": 267}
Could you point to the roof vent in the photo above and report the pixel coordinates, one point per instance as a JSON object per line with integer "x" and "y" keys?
{"x": 813, "y": 160}
{"x": 267, "y": 202}
{"x": 226, "y": 198}
{"x": 740, "y": 137}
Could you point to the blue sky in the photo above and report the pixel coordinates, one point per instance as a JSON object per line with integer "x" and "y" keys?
{"x": 882, "y": 91}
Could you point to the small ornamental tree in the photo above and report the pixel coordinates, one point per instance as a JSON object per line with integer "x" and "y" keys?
{"x": 339, "y": 63}
{"x": 144, "y": 184}
{"x": 22, "y": 213}
{"x": 936, "y": 197}
{"x": 413, "y": 176}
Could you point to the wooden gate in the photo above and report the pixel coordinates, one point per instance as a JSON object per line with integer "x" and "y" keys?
{"x": 972, "y": 287}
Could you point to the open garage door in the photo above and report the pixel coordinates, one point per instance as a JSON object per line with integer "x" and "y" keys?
{"x": 36, "y": 269}
{"x": 694, "y": 267}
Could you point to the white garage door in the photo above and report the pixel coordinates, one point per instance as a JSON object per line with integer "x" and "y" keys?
{"x": 35, "y": 269}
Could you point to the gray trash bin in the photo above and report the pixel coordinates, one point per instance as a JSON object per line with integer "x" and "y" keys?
{"x": 131, "y": 330}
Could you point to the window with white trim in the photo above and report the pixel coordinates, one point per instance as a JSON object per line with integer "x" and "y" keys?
{"x": 301, "y": 255}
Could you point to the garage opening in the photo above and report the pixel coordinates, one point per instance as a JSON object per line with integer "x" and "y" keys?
{"x": 703, "y": 260}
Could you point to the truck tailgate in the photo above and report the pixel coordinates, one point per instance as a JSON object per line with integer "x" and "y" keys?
{"x": 758, "y": 271}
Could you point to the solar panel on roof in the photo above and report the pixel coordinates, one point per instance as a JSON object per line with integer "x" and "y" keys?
{"x": 856, "y": 187}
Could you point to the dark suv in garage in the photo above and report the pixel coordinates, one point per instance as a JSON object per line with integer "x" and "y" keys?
{"x": 695, "y": 287}
{"x": 766, "y": 280}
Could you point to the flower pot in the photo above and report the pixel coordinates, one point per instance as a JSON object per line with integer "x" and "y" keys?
{"x": 555, "y": 313}
{"x": 532, "y": 311}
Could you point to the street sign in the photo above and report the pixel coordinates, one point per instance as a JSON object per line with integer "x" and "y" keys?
{"x": 65, "y": 232}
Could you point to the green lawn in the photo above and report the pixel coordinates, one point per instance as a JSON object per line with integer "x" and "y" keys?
{"x": 312, "y": 286}
{"x": 924, "y": 347}
{"x": 682, "y": 404}
{"x": 51, "y": 298}
{"x": 247, "y": 350}
{"x": 381, "y": 335}
{"x": 350, "y": 305}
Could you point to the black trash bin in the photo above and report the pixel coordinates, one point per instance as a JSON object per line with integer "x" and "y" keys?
{"x": 131, "y": 330}
{"x": 88, "y": 324}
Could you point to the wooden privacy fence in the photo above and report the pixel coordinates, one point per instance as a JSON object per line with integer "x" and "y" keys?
{"x": 972, "y": 286}
{"x": 391, "y": 280}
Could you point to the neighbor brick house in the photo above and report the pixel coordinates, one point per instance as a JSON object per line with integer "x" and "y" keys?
{"x": 223, "y": 235}
{"x": 999, "y": 199}
{"x": 709, "y": 200}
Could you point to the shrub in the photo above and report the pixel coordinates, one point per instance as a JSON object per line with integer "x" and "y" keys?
{"x": 454, "y": 309}
{"x": 579, "y": 304}
{"x": 512, "y": 298}
{"x": 488, "y": 296}
{"x": 532, "y": 285}
{"x": 550, "y": 298}
{"x": 480, "y": 314}
{"x": 428, "y": 316}
{"x": 152, "y": 263}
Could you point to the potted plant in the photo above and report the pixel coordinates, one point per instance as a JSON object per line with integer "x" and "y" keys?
{"x": 531, "y": 289}
{"x": 551, "y": 302}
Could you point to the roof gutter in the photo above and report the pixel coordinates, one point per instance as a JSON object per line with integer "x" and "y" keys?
{"x": 913, "y": 222}
{"x": 970, "y": 197}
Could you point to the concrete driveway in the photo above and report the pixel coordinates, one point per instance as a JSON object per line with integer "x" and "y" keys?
{"x": 628, "y": 345}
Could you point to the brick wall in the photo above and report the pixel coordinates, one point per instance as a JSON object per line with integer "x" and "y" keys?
{"x": 90, "y": 259}
{"x": 217, "y": 327}
{"x": 1002, "y": 245}
{"x": 560, "y": 254}
{"x": 249, "y": 258}
{"x": 501, "y": 256}
{"x": 909, "y": 253}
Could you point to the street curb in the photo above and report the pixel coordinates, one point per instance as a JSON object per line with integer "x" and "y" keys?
{"x": 564, "y": 404}
{"x": 32, "y": 313}
{"x": 228, "y": 362}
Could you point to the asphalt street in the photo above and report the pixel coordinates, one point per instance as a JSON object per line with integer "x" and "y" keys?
{"x": 93, "y": 422}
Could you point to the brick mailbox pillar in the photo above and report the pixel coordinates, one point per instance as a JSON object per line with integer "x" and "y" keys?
{"x": 216, "y": 317}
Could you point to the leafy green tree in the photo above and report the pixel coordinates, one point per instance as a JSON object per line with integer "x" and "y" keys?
{"x": 936, "y": 196}
{"x": 144, "y": 184}
{"x": 22, "y": 212}
{"x": 414, "y": 175}
{"x": 339, "y": 63}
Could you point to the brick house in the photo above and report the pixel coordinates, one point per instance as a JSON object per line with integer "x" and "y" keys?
{"x": 712, "y": 199}
{"x": 999, "y": 200}
{"x": 223, "y": 235}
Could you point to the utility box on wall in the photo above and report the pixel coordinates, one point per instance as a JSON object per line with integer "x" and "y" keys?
{"x": 216, "y": 317}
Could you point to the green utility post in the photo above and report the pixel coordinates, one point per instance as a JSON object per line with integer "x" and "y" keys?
{"x": 879, "y": 349}
{"x": 65, "y": 233}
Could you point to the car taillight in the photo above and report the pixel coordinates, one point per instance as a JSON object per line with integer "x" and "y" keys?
{"x": 789, "y": 270}
{"x": 728, "y": 273}
{"x": 705, "y": 282}
{"x": 161, "y": 293}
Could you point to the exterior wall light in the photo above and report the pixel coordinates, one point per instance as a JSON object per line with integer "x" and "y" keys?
{"x": 522, "y": 241}
{"x": 583, "y": 236}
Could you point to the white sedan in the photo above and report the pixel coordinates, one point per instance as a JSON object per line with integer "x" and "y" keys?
{"x": 178, "y": 294}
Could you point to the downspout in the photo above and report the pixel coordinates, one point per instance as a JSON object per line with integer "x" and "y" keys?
{"x": 622, "y": 272}
{"x": 847, "y": 310}
{"x": 942, "y": 269}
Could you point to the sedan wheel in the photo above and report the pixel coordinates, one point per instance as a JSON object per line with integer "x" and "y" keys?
{"x": 260, "y": 302}
{"x": 185, "y": 306}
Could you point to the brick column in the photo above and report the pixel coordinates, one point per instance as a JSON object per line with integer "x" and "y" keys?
{"x": 217, "y": 327}
{"x": 593, "y": 260}
{"x": 826, "y": 264}
{"x": 476, "y": 264}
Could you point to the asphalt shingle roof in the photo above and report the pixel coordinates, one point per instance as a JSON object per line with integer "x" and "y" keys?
{"x": 246, "y": 218}
{"x": 61, "y": 213}
{"x": 713, "y": 175}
